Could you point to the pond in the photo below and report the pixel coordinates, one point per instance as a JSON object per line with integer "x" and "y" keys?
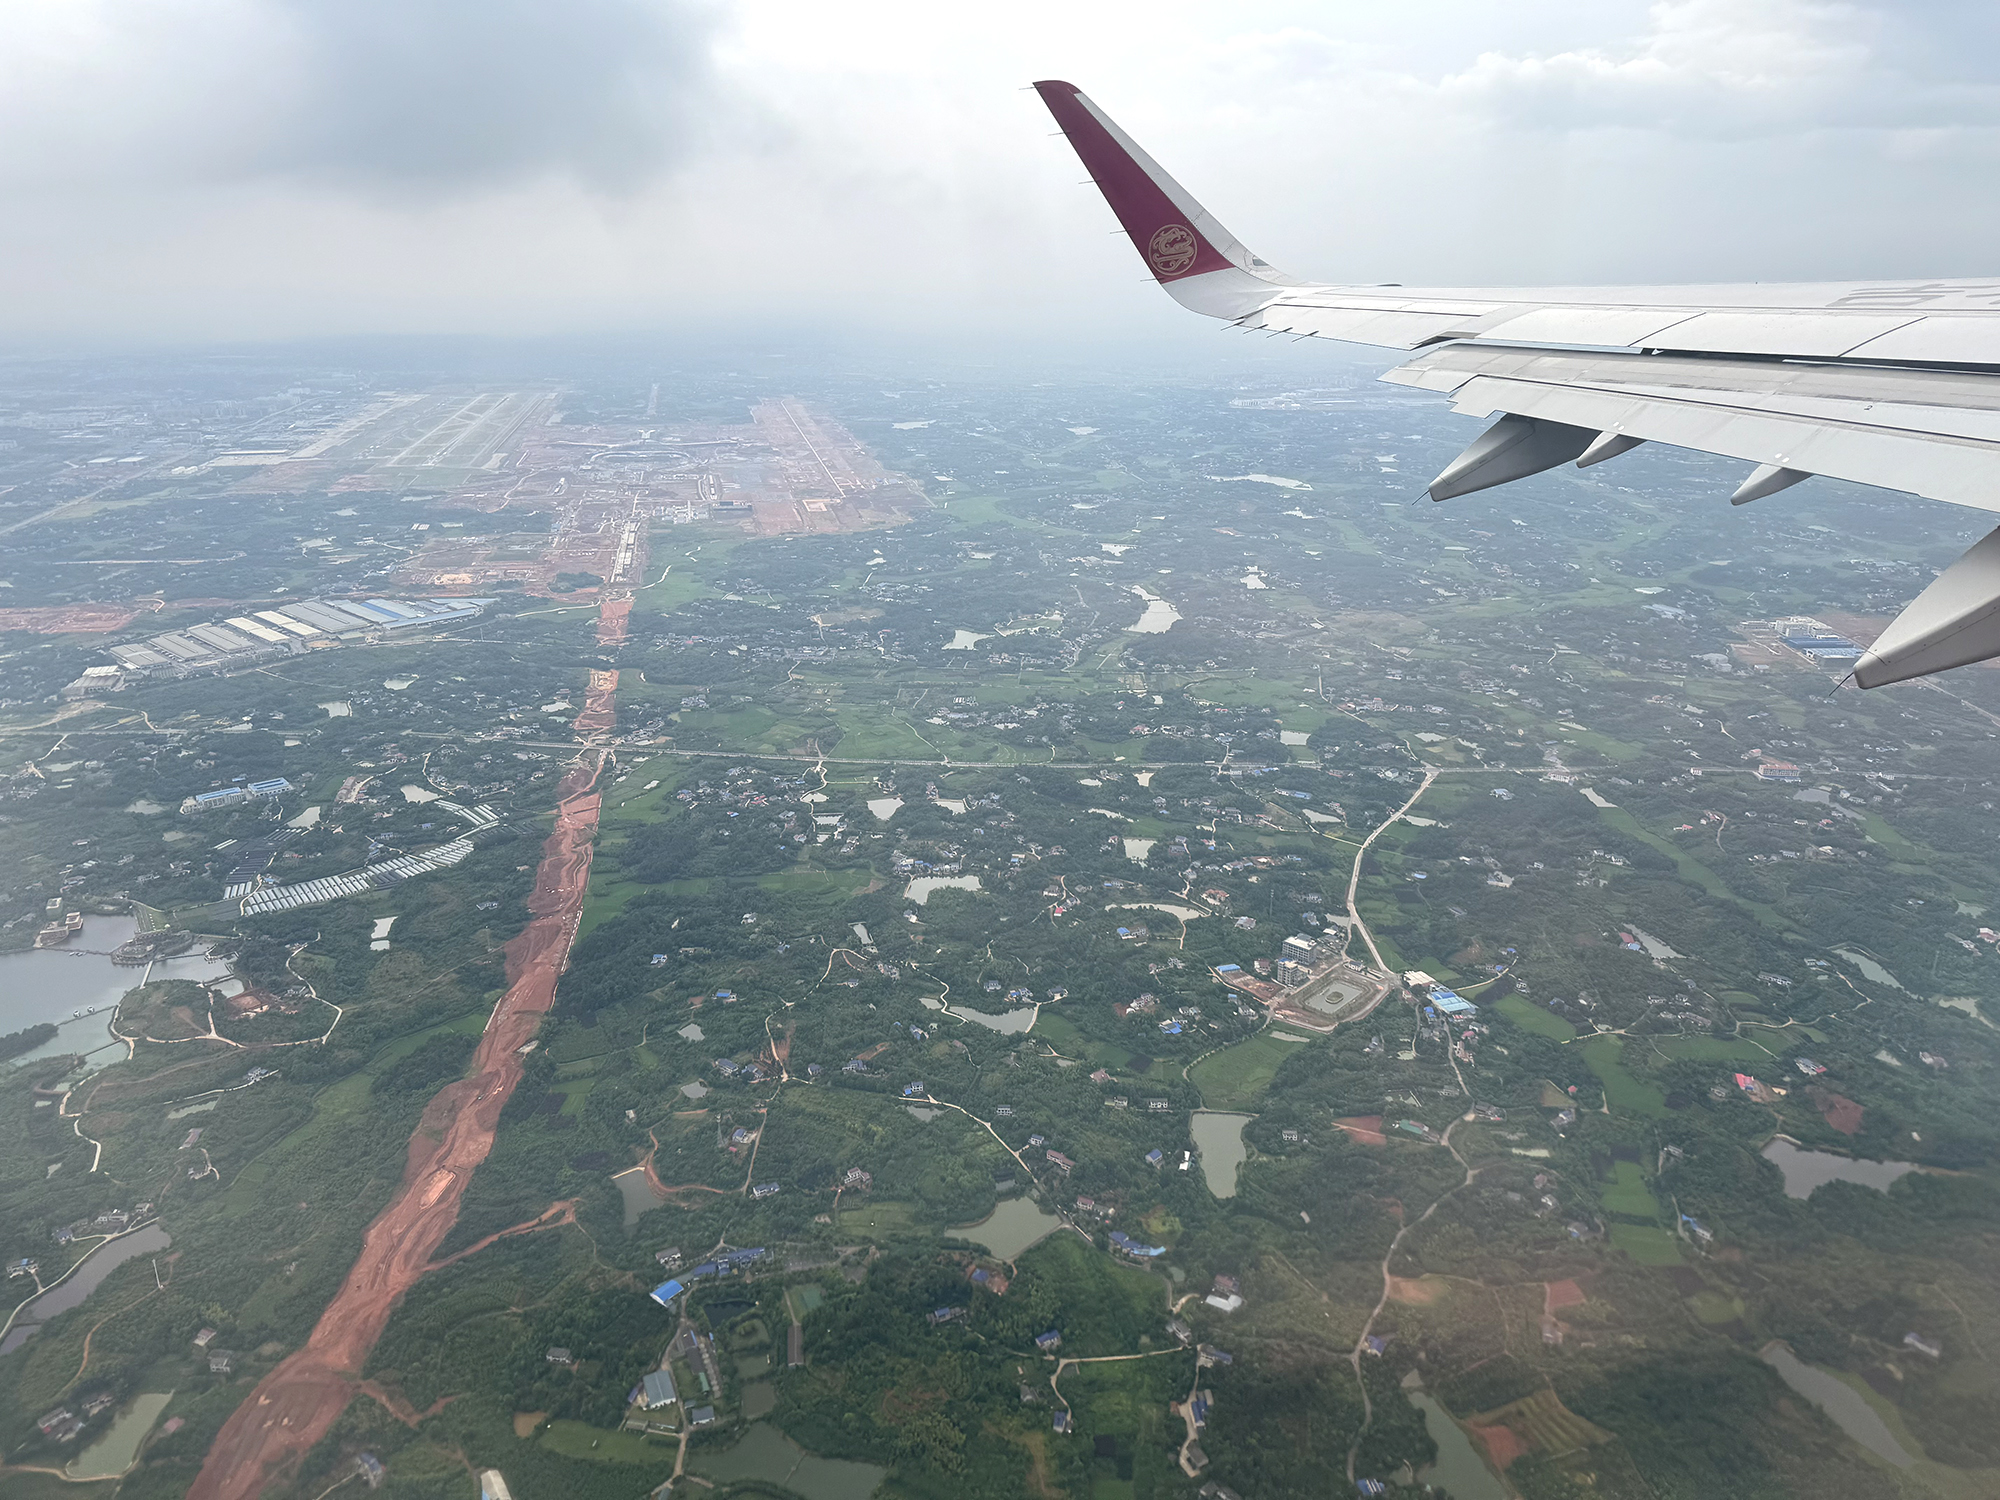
{"x": 926, "y": 1115}
{"x": 637, "y": 1192}
{"x": 1218, "y": 1141}
{"x": 1840, "y": 1401}
{"x": 53, "y": 984}
{"x": 1459, "y": 1468}
{"x": 885, "y": 808}
{"x": 116, "y": 1451}
{"x": 1138, "y": 850}
{"x": 1805, "y": 1170}
{"x": 1011, "y": 1228}
{"x": 920, "y": 889}
{"x": 84, "y": 1280}
{"x": 965, "y": 640}
{"x": 764, "y": 1453}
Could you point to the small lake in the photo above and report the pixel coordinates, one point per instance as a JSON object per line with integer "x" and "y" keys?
{"x": 1218, "y": 1141}
{"x": 116, "y": 1451}
{"x": 1840, "y": 1401}
{"x": 1459, "y": 1468}
{"x": 1805, "y": 1170}
{"x": 764, "y": 1453}
{"x": 1137, "y": 850}
{"x": 86, "y": 1279}
{"x": 1869, "y": 968}
{"x": 920, "y": 889}
{"x": 52, "y": 984}
{"x": 965, "y": 640}
{"x": 1012, "y": 1227}
{"x": 638, "y": 1194}
{"x": 885, "y": 808}
{"x": 1159, "y": 616}
{"x": 1008, "y": 1022}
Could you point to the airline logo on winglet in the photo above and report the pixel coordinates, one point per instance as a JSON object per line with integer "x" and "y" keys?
{"x": 1172, "y": 249}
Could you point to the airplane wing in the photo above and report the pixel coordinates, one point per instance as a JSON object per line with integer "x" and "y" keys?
{"x": 1889, "y": 383}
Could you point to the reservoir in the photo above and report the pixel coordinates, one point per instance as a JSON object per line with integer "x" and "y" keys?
{"x": 1805, "y": 1170}
{"x": 84, "y": 1280}
{"x": 53, "y": 984}
{"x": 1839, "y": 1400}
{"x": 1218, "y": 1141}
{"x": 1012, "y": 1227}
{"x": 1158, "y": 618}
{"x": 920, "y": 889}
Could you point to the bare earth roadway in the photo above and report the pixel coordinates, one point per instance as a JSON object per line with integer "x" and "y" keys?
{"x": 295, "y": 1405}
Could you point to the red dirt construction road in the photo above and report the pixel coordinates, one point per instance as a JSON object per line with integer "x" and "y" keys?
{"x": 295, "y": 1405}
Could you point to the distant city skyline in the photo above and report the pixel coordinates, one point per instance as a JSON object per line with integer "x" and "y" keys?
{"x": 259, "y": 170}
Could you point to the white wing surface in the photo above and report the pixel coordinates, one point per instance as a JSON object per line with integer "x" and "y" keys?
{"x": 1889, "y": 383}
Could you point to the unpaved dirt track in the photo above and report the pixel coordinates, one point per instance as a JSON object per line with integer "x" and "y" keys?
{"x": 295, "y": 1405}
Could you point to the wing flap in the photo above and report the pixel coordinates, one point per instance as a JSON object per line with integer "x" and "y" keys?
{"x": 1933, "y": 435}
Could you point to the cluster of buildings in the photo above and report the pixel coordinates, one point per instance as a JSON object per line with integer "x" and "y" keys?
{"x": 236, "y": 796}
{"x": 242, "y": 639}
{"x": 726, "y": 1264}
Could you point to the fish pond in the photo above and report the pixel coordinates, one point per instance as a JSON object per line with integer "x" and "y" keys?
{"x": 765, "y": 1455}
{"x": 1012, "y": 1227}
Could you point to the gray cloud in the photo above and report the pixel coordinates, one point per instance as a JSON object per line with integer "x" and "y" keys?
{"x": 392, "y": 98}
{"x": 429, "y": 94}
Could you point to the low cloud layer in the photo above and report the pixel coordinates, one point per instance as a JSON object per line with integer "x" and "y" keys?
{"x": 247, "y": 168}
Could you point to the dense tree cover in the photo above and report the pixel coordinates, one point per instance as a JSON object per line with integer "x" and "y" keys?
{"x": 27, "y": 1039}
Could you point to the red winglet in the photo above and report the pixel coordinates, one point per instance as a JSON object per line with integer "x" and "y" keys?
{"x": 1161, "y": 230}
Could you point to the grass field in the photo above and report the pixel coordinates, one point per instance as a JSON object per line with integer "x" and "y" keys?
{"x": 1627, "y": 1192}
{"x": 1631, "y": 1095}
{"x": 1648, "y": 1244}
{"x": 882, "y": 1221}
{"x": 1711, "y": 1049}
{"x": 1236, "y": 1077}
{"x": 1533, "y": 1018}
{"x": 580, "y": 1440}
{"x": 1715, "y": 1307}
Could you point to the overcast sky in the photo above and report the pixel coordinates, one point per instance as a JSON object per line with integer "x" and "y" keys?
{"x": 243, "y": 169}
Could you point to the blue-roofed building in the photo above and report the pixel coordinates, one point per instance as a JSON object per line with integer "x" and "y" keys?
{"x": 657, "y": 1390}
{"x": 1048, "y": 1342}
{"x": 1122, "y": 1241}
{"x": 666, "y": 1291}
{"x": 1155, "y": 1156}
